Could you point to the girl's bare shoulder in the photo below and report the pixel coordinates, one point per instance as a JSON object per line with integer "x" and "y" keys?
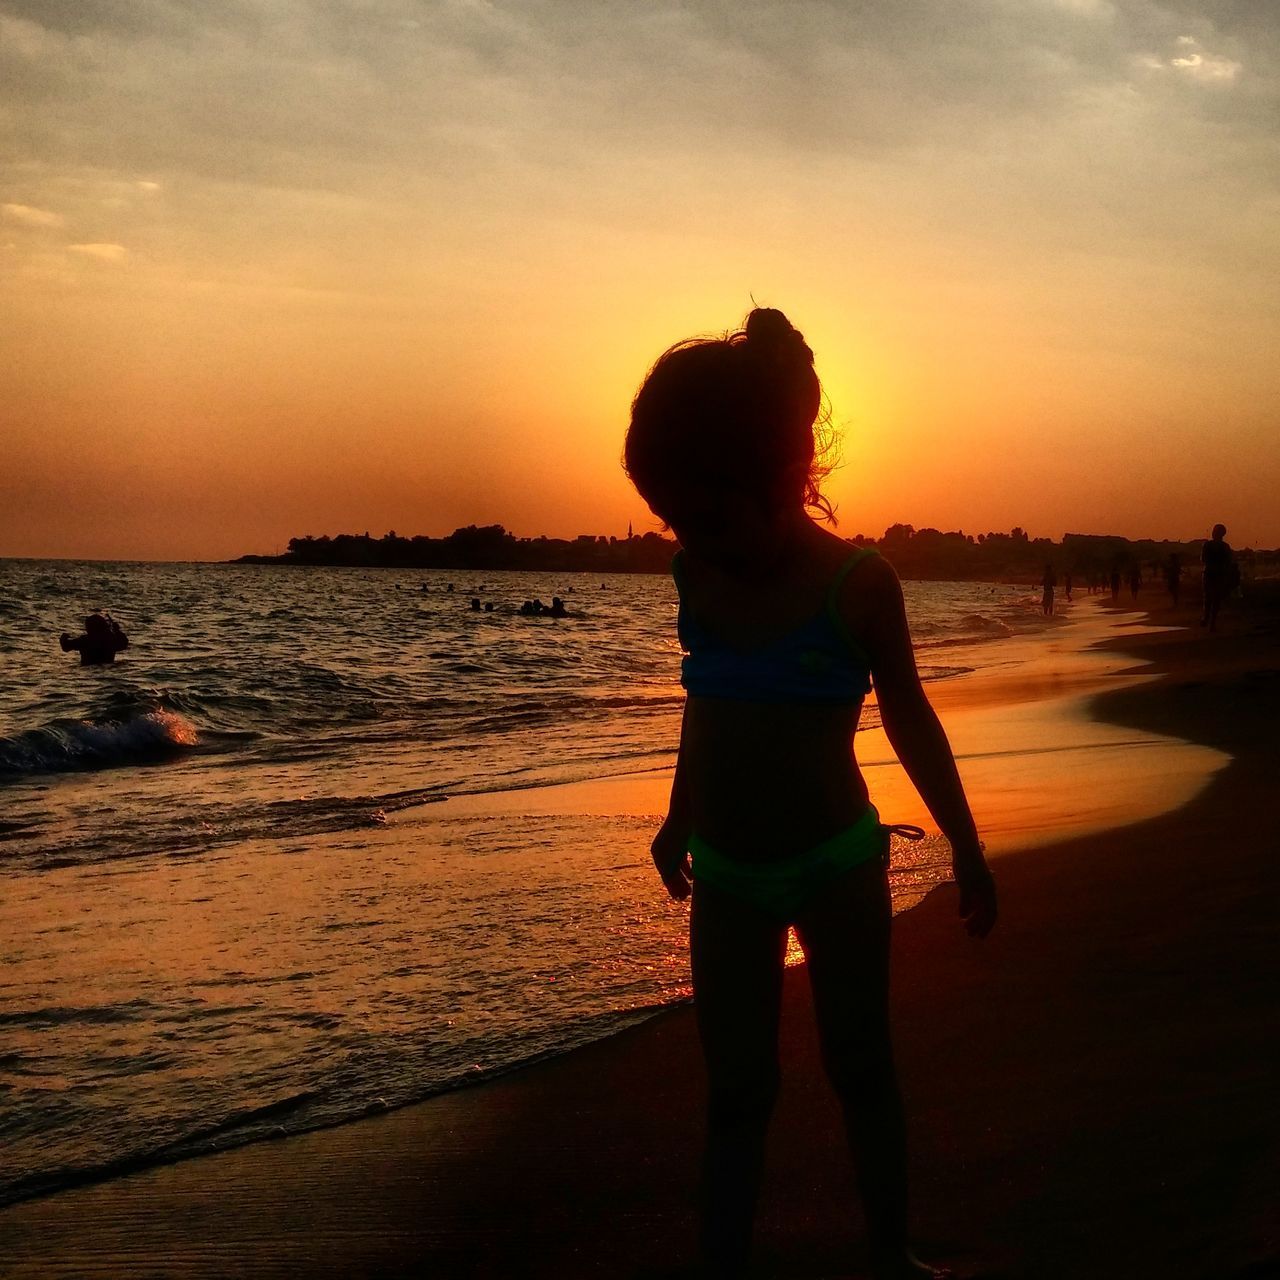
{"x": 869, "y": 592}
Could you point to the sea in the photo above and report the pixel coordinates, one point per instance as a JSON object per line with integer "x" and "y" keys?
{"x": 287, "y": 862}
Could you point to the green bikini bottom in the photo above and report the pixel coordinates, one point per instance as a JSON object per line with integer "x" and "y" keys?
{"x": 782, "y": 887}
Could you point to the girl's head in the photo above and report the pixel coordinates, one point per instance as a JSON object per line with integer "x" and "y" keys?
{"x": 721, "y": 443}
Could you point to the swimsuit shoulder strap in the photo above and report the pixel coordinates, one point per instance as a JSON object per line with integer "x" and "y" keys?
{"x": 843, "y": 571}
{"x": 834, "y": 613}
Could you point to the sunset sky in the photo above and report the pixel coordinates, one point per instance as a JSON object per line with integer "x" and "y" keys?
{"x": 278, "y": 267}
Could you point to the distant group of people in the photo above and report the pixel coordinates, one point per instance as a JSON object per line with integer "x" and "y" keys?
{"x": 536, "y": 609}
{"x": 1221, "y": 576}
{"x": 529, "y": 609}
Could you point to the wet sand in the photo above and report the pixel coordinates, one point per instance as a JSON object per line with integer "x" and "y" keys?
{"x": 1089, "y": 1090}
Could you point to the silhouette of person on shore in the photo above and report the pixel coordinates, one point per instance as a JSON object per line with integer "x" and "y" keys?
{"x": 1173, "y": 577}
{"x": 1049, "y": 581}
{"x": 1066, "y": 585}
{"x": 1219, "y": 564}
{"x": 103, "y": 638}
{"x": 770, "y": 823}
{"x": 1115, "y": 584}
{"x": 1135, "y": 581}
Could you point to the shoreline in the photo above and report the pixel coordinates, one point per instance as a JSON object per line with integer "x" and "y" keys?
{"x": 580, "y": 831}
{"x": 467, "y": 1187}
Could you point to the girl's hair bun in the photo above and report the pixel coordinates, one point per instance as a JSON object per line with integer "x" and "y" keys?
{"x": 772, "y": 335}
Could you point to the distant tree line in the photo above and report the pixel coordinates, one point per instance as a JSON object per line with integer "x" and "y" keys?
{"x": 915, "y": 553}
{"x": 482, "y": 547}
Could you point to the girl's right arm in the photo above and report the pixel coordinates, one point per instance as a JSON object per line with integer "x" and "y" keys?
{"x": 670, "y": 846}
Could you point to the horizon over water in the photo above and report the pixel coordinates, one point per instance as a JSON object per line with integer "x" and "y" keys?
{"x": 233, "y": 906}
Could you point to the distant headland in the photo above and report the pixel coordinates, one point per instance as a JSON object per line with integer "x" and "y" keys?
{"x": 915, "y": 553}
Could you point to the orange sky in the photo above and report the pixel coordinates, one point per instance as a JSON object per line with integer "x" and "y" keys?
{"x": 311, "y": 268}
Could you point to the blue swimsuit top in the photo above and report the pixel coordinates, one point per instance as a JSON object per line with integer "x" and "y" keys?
{"x": 817, "y": 661}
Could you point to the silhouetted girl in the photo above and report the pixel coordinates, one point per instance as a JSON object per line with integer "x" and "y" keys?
{"x": 785, "y": 628}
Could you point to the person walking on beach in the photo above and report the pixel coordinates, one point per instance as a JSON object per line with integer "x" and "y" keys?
{"x": 1219, "y": 574}
{"x": 1135, "y": 580}
{"x": 1115, "y": 584}
{"x": 1066, "y": 585}
{"x": 785, "y": 626}
{"x": 1049, "y": 581}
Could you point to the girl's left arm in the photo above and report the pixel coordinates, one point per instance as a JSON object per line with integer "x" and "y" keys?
{"x": 875, "y": 614}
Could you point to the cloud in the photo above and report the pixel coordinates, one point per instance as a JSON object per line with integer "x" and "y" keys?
{"x": 1193, "y": 61}
{"x": 1208, "y": 67}
{"x": 268, "y": 124}
{"x": 32, "y": 217}
{"x": 1101, "y": 9}
{"x": 302, "y": 94}
{"x": 104, "y": 252}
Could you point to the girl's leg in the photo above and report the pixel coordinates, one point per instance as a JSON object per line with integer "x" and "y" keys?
{"x": 737, "y": 955}
{"x": 845, "y": 935}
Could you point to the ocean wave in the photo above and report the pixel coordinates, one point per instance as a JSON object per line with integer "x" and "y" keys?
{"x": 86, "y": 744}
{"x": 980, "y": 624}
{"x": 944, "y": 673}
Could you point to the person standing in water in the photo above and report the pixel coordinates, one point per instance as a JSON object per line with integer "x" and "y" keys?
{"x": 1049, "y": 582}
{"x": 103, "y": 638}
{"x": 770, "y": 823}
{"x": 1219, "y": 574}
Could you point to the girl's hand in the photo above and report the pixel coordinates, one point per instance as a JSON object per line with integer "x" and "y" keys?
{"x": 977, "y": 892}
{"x": 671, "y": 857}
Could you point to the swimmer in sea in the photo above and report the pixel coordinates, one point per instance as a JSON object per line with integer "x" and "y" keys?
{"x": 103, "y": 638}
{"x": 785, "y": 627}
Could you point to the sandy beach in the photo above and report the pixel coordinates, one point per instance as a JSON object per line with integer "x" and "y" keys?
{"x": 1088, "y": 1090}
